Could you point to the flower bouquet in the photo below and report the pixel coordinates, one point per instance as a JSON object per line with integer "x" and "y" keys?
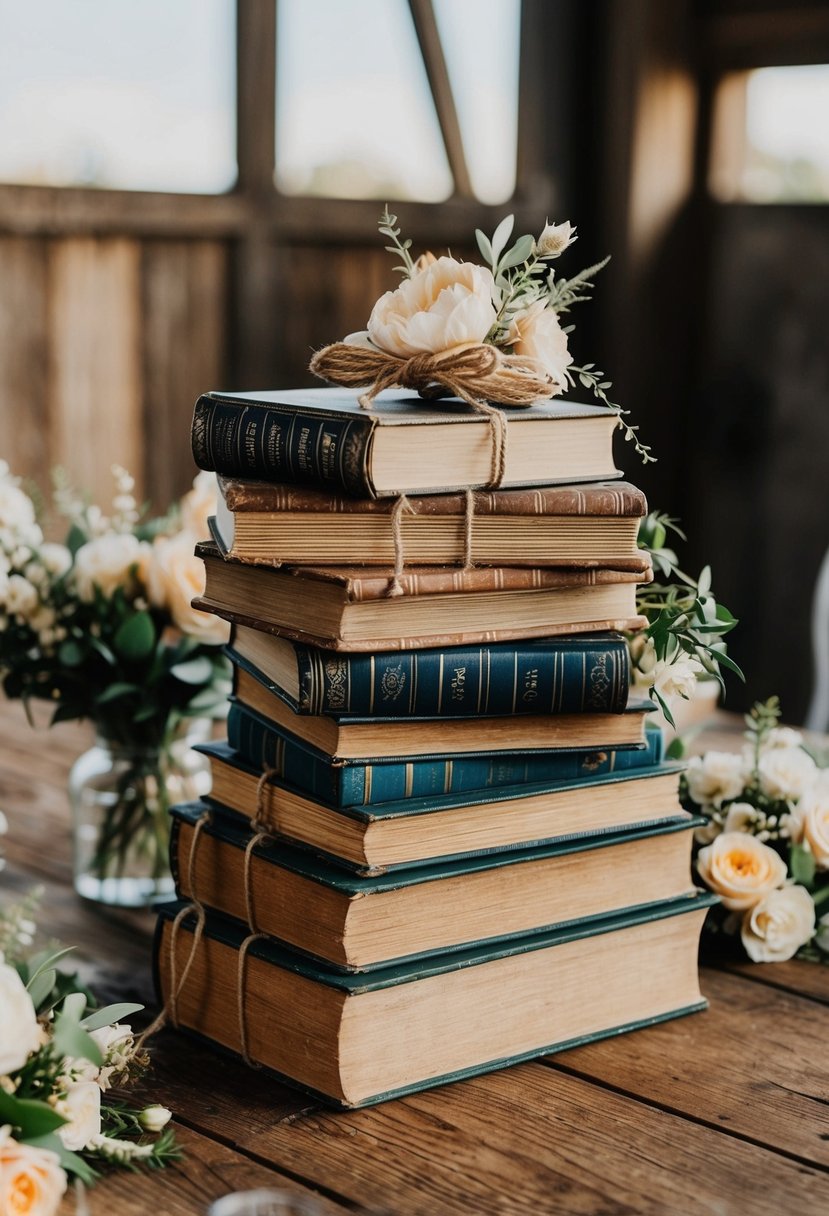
{"x": 765, "y": 847}
{"x": 60, "y": 1057}
{"x": 101, "y": 627}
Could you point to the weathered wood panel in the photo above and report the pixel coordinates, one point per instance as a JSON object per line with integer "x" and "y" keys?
{"x": 23, "y": 345}
{"x": 94, "y": 361}
{"x": 184, "y": 294}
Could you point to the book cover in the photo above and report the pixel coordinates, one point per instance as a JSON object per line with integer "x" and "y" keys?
{"x": 323, "y": 437}
{"x": 587, "y": 674}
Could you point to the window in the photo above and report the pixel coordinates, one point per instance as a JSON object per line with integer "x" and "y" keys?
{"x": 128, "y": 96}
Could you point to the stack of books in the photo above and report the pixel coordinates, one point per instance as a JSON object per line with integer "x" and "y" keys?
{"x": 440, "y": 811}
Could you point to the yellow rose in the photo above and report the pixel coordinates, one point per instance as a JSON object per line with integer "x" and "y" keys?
{"x": 740, "y": 869}
{"x": 31, "y": 1179}
{"x": 174, "y": 577}
{"x": 537, "y": 334}
{"x": 445, "y": 304}
{"x": 775, "y": 928}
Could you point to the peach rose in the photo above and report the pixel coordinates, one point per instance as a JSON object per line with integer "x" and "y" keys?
{"x": 199, "y": 504}
{"x": 537, "y": 334}
{"x": 174, "y": 577}
{"x": 775, "y": 928}
{"x": 31, "y": 1179}
{"x": 740, "y": 869}
{"x": 812, "y": 819}
{"x": 445, "y": 304}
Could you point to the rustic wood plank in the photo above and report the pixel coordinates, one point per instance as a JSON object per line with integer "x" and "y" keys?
{"x": 434, "y": 60}
{"x": 722, "y": 1067}
{"x": 804, "y": 978}
{"x": 23, "y": 358}
{"x": 184, "y": 292}
{"x": 527, "y": 1139}
{"x": 94, "y": 365}
{"x": 208, "y": 1171}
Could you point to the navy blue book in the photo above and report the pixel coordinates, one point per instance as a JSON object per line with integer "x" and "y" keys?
{"x": 368, "y": 781}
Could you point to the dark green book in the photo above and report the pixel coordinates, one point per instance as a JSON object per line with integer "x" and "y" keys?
{"x": 357, "y": 1039}
{"x": 417, "y": 831}
{"x": 358, "y": 923}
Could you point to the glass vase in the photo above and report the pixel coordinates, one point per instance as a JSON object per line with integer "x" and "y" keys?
{"x": 120, "y": 797}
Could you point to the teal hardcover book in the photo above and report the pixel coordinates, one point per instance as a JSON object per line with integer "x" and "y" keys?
{"x": 373, "y": 780}
{"x": 358, "y": 923}
{"x": 358, "y": 1039}
{"x": 417, "y": 831}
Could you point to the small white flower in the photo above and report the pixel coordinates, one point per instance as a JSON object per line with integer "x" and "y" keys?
{"x": 716, "y": 777}
{"x": 786, "y": 772}
{"x": 775, "y": 928}
{"x": 16, "y": 508}
{"x": 783, "y": 736}
{"x": 55, "y": 558}
{"x": 741, "y": 817}
{"x": 555, "y": 239}
{"x": 19, "y": 1030}
{"x": 21, "y": 597}
{"x": 82, "y": 1107}
{"x": 154, "y": 1118}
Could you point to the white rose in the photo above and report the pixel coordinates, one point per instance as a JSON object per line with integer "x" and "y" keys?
{"x": 16, "y": 508}
{"x": 154, "y": 1118}
{"x": 82, "y": 1107}
{"x": 778, "y": 925}
{"x": 447, "y": 304}
{"x": 56, "y": 559}
{"x": 106, "y": 563}
{"x": 21, "y": 596}
{"x": 740, "y": 817}
{"x": 537, "y": 334}
{"x": 709, "y": 831}
{"x": 716, "y": 777}
{"x": 555, "y": 239}
{"x": 740, "y": 869}
{"x": 175, "y": 576}
{"x": 785, "y": 772}
{"x": 19, "y": 1030}
{"x": 31, "y": 1179}
{"x": 199, "y": 504}
{"x": 783, "y": 736}
{"x": 678, "y": 678}
{"x": 115, "y": 1044}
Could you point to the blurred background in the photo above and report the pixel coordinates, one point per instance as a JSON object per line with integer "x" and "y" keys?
{"x": 188, "y": 200}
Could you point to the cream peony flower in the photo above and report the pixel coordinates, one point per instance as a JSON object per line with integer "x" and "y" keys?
{"x": 716, "y": 777}
{"x": 31, "y": 1179}
{"x": 174, "y": 577}
{"x": 19, "y": 1030}
{"x": 106, "y": 563}
{"x": 537, "y": 334}
{"x": 555, "y": 239}
{"x": 786, "y": 772}
{"x": 82, "y": 1107}
{"x": 740, "y": 869}
{"x": 447, "y": 304}
{"x": 778, "y": 925}
{"x": 199, "y": 504}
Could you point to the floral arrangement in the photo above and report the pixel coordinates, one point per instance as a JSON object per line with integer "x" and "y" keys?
{"x": 485, "y": 333}
{"x": 101, "y": 627}
{"x": 765, "y": 846}
{"x": 60, "y": 1058}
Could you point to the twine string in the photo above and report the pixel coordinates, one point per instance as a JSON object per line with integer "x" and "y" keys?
{"x": 240, "y": 998}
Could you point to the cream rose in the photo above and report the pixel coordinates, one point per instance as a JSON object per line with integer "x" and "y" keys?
{"x": 82, "y": 1107}
{"x": 174, "y": 577}
{"x": 716, "y": 777}
{"x": 785, "y": 772}
{"x": 778, "y": 925}
{"x": 19, "y": 1030}
{"x": 446, "y": 304}
{"x": 31, "y": 1179}
{"x": 740, "y": 817}
{"x": 677, "y": 679}
{"x": 782, "y": 736}
{"x": 106, "y": 563}
{"x": 21, "y": 596}
{"x": 812, "y": 817}
{"x": 55, "y": 559}
{"x": 537, "y": 334}
{"x": 199, "y": 504}
{"x": 740, "y": 869}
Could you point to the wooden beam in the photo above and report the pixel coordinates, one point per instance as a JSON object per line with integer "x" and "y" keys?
{"x": 77, "y": 211}
{"x": 256, "y": 95}
{"x": 431, "y": 48}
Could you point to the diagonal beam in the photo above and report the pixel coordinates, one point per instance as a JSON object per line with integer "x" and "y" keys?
{"x": 431, "y": 48}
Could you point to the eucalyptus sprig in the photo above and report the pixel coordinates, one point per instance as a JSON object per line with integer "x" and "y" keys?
{"x": 388, "y": 227}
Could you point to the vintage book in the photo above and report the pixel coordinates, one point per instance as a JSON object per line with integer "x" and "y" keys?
{"x": 349, "y": 609}
{"x": 567, "y": 525}
{"x": 357, "y": 1039}
{"x": 362, "y": 781}
{"x": 354, "y": 739}
{"x": 588, "y": 673}
{"x": 356, "y": 923}
{"x": 401, "y": 445}
{"x": 415, "y": 831}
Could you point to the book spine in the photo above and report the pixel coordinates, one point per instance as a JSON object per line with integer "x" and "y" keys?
{"x": 582, "y": 676}
{"x": 280, "y": 444}
{"x": 372, "y": 784}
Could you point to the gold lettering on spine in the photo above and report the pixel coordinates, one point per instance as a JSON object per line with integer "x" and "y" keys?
{"x": 447, "y": 777}
{"x": 367, "y": 784}
{"x": 371, "y": 687}
{"x": 440, "y": 683}
{"x": 409, "y": 781}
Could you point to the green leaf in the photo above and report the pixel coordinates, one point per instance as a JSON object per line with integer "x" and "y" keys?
{"x": 485, "y": 247}
{"x": 71, "y": 1162}
{"x": 136, "y": 638}
{"x": 40, "y": 987}
{"x": 112, "y": 692}
{"x": 31, "y": 1117}
{"x": 109, "y": 1014}
{"x": 675, "y": 749}
{"x": 70, "y": 654}
{"x": 193, "y": 671}
{"x": 76, "y": 537}
{"x": 501, "y": 236}
{"x": 521, "y": 250}
{"x": 802, "y": 865}
{"x": 70, "y": 1039}
{"x": 74, "y": 1006}
{"x": 66, "y": 713}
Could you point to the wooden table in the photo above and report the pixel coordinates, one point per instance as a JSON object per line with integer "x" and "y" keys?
{"x": 725, "y": 1112}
